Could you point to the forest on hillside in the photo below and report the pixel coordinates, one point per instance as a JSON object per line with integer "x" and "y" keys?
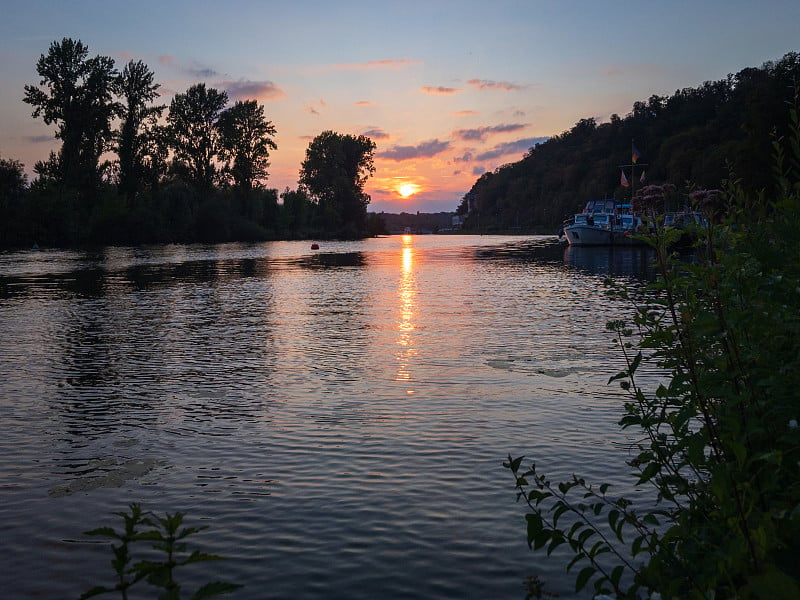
{"x": 697, "y": 138}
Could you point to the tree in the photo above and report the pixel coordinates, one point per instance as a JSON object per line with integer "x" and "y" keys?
{"x": 194, "y": 136}
{"x": 78, "y": 98}
{"x": 13, "y": 179}
{"x": 135, "y": 138}
{"x": 245, "y": 142}
{"x": 334, "y": 172}
{"x": 296, "y": 212}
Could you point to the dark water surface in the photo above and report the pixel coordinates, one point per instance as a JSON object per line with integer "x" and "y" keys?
{"x": 338, "y": 418}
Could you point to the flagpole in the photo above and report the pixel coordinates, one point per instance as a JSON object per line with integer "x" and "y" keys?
{"x": 632, "y": 166}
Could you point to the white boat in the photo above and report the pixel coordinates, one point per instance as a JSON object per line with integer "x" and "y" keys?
{"x": 604, "y": 223}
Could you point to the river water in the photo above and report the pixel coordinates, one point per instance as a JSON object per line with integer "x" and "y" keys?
{"x": 337, "y": 417}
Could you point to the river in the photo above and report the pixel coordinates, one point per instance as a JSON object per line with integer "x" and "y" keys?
{"x": 337, "y": 418}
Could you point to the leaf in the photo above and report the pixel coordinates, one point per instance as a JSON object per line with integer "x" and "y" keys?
{"x": 535, "y": 526}
{"x": 649, "y": 472}
{"x": 556, "y": 540}
{"x": 620, "y": 375}
{"x": 214, "y": 588}
{"x": 95, "y": 591}
{"x": 578, "y": 556}
{"x": 651, "y": 519}
{"x": 583, "y": 578}
{"x": 616, "y": 575}
{"x": 106, "y": 531}
{"x": 636, "y": 547}
{"x": 541, "y": 539}
{"x": 636, "y": 362}
{"x": 513, "y": 463}
{"x": 585, "y": 535}
{"x": 560, "y": 510}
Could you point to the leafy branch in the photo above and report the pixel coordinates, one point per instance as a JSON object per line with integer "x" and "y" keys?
{"x": 166, "y": 536}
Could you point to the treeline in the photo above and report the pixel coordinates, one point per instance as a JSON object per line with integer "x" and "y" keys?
{"x": 696, "y": 138}
{"x": 131, "y": 171}
{"x": 417, "y": 223}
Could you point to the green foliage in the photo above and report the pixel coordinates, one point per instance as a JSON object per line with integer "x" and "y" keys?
{"x": 137, "y": 146}
{"x": 719, "y": 441}
{"x": 246, "y": 139}
{"x": 194, "y": 136}
{"x": 199, "y": 178}
{"x": 75, "y": 93}
{"x": 166, "y": 535}
{"x": 333, "y": 173}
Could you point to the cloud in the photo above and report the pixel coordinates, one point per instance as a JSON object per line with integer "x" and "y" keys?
{"x": 365, "y": 103}
{"x": 478, "y": 171}
{"x": 376, "y": 134}
{"x": 377, "y": 64}
{"x": 40, "y": 139}
{"x": 466, "y": 157}
{"x": 488, "y": 84}
{"x": 195, "y": 70}
{"x": 246, "y": 90}
{"x": 480, "y": 133}
{"x": 200, "y": 72}
{"x": 465, "y": 113}
{"x": 516, "y": 147}
{"x": 439, "y": 90}
{"x": 124, "y": 56}
{"x": 422, "y": 150}
{"x": 312, "y": 106}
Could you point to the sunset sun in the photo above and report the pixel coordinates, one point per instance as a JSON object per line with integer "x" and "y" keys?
{"x": 407, "y": 189}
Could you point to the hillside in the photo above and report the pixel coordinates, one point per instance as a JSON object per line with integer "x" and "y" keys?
{"x": 696, "y": 138}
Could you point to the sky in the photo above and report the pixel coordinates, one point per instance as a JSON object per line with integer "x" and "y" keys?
{"x": 447, "y": 89}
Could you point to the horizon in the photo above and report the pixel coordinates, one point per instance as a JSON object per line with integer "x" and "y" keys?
{"x": 443, "y": 96}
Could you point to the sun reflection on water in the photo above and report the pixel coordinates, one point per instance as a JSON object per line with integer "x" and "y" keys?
{"x": 407, "y": 292}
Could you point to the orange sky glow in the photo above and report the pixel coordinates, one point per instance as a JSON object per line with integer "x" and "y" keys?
{"x": 447, "y": 91}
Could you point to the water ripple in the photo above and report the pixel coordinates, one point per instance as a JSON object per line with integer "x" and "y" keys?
{"x": 338, "y": 417}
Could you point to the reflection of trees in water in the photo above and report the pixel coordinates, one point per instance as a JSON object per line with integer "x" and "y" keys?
{"x": 611, "y": 260}
{"x": 333, "y": 259}
{"x": 153, "y": 342}
{"x": 539, "y": 250}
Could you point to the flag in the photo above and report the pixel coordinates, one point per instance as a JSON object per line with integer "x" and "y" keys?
{"x": 641, "y": 179}
{"x": 635, "y": 156}
{"x": 623, "y": 180}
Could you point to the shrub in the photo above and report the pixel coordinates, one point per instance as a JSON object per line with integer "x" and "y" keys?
{"x": 719, "y": 441}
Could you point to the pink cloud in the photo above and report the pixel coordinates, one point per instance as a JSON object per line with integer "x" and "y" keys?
{"x": 517, "y": 147}
{"x": 465, "y": 113}
{"x": 421, "y": 150}
{"x": 378, "y": 64}
{"x": 377, "y": 134}
{"x": 124, "y": 56}
{"x": 480, "y": 133}
{"x": 246, "y": 90}
{"x": 439, "y": 90}
{"x": 488, "y": 84}
{"x": 312, "y": 106}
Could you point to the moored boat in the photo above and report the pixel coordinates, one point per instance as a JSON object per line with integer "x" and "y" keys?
{"x": 604, "y": 223}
